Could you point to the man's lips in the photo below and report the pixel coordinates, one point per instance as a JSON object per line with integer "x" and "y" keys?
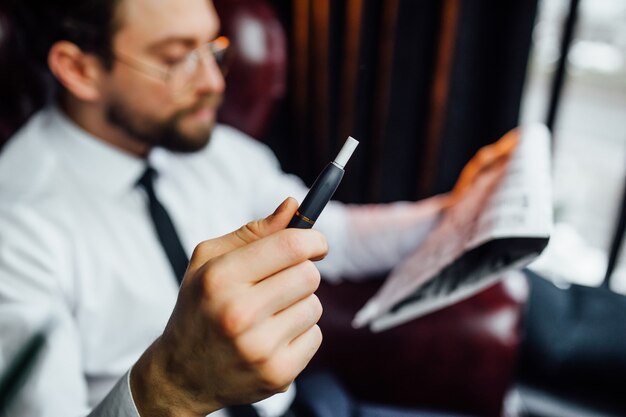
{"x": 204, "y": 110}
{"x": 203, "y": 113}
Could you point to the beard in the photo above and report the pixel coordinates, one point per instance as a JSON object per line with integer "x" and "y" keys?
{"x": 167, "y": 133}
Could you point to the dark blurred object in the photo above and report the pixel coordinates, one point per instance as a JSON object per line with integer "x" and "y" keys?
{"x": 559, "y": 75}
{"x": 574, "y": 349}
{"x": 18, "y": 370}
{"x": 459, "y": 359}
{"x": 618, "y": 240}
{"x": 320, "y": 394}
{"x": 573, "y": 356}
{"x": 23, "y": 86}
{"x": 257, "y": 65}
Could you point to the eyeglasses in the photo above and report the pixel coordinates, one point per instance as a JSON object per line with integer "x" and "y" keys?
{"x": 181, "y": 75}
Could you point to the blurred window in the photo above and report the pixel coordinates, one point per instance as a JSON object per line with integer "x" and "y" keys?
{"x": 589, "y": 134}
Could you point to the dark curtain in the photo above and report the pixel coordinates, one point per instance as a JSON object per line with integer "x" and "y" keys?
{"x": 491, "y": 52}
{"x": 422, "y": 85}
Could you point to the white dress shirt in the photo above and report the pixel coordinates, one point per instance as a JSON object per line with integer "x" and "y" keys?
{"x": 77, "y": 244}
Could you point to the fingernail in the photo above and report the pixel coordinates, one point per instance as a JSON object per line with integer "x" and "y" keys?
{"x": 281, "y": 207}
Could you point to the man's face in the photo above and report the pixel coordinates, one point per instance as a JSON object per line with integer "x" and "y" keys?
{"x": 159, "y": 33}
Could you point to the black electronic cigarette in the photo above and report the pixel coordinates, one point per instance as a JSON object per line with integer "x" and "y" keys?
{"x": 323, "y": 188}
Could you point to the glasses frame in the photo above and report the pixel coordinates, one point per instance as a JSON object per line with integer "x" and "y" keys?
{"x": 217, "y": 51}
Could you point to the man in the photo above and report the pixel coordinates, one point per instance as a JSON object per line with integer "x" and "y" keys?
{"x": 79, "y": 188}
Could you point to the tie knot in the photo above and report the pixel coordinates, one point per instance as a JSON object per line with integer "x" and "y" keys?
{"x": 147, "y": 179}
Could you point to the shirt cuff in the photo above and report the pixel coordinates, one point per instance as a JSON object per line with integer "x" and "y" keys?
{"x": 119, "y": 402}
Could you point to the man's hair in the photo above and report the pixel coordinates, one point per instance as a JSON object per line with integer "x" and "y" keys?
{"x": 90, "y": 24}
{"x": 28, "y": 29}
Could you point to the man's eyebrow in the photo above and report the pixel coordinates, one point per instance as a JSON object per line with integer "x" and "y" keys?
{"x": 171, "y": 40}
{"x": 187, "y": 41}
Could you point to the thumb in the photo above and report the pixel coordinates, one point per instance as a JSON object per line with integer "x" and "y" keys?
{"x": 486, "y": 158}
{"x": 253, "y": 231}
{"x": 504, "y": 147}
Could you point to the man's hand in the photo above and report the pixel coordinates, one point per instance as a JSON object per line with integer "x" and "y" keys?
{"x": 244, "y": 325}
{"x": 488, "y": 158}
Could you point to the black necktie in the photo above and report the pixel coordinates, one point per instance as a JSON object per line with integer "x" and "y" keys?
{"x": 164, "y": 226}
{"x": 176, "y": 254}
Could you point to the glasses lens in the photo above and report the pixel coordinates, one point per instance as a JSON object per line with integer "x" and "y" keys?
{"x": 183, "y": 75}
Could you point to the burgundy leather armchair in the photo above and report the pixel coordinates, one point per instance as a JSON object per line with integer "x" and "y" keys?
{"x": 257, "y": 65}
{"x": 22, "y": 87}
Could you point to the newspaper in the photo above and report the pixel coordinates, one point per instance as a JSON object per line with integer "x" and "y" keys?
{"x": 501, "y": 223}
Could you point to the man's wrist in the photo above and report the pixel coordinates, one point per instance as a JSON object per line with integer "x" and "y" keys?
{"x": 153, "y": 393}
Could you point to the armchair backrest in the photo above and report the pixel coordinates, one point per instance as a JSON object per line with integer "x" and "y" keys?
{"x": 23, "y": 87}
{"x": 257, "y": 71}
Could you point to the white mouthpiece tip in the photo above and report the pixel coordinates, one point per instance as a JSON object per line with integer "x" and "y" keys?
{"x": 346, "y": 151}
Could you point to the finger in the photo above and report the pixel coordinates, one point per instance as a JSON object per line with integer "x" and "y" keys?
{"x": 508, "y": 142}
{"x": 268, "y": 256}
{"x": 485, "y": 158}
{"x": 261, "y": 342}
{"x": 249, "y": 233}
{"x": 282, "y": 290}
{"x": 502, "y": 148}
{"x": 291, "y": 360}
{"x": 242, "y": 310}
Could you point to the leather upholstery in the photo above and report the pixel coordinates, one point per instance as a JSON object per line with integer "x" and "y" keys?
{"x": 459, "y": 359}
{"x": 256, "y": 78}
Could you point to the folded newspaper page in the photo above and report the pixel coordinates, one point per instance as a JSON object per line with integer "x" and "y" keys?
{"x": 501, "y": 223}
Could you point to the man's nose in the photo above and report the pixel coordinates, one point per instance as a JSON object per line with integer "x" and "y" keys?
{"x": 209, "y": 77}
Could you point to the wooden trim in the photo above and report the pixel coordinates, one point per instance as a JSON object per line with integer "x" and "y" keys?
{"x": 450, "y": 14}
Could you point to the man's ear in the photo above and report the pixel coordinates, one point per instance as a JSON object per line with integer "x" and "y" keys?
{"x": 80, "y": 73}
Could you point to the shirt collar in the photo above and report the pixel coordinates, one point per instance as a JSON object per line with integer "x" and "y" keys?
{"x": 94, "y": 160}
